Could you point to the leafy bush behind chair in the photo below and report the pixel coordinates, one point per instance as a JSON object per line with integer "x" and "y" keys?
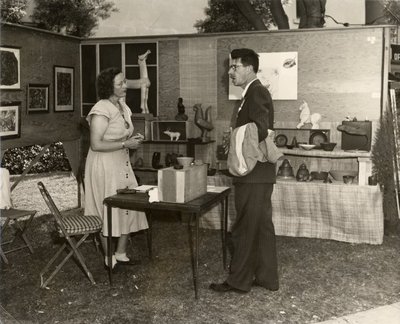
{"x": 17, "y": 159}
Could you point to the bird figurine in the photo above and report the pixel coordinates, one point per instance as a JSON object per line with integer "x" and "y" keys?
{"x": 203, "y": 121}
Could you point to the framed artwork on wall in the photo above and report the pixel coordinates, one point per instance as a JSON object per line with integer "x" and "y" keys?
{"x": 63, "y": 88}
{"x": 37, "y": 98}
{"x": 10, "y": 120}
{"x": 10, "y": 71}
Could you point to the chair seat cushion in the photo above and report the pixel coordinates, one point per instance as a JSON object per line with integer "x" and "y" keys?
{"x": 81, "y": 224}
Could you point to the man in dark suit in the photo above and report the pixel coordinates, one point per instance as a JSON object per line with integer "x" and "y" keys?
{"x": 254, "y": 259}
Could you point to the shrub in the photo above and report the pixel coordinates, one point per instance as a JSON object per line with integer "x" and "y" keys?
{"x": 17, "y": 159}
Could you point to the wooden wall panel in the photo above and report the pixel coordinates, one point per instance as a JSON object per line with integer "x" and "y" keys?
{"x": 168, "y": 76}
{"x": 39, "y": 52}
{"x": 198, "y": 75}
{"x": 339, "y": 71}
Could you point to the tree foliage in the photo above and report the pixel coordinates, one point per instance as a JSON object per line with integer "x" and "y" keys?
{"x": 13, "y": 11}
{"x": 224, "y": 16}
{"x": 392, "y": 11}
{"x": 73, "y": 17}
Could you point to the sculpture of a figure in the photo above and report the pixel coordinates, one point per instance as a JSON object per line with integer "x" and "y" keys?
{"x": 143, "y": 83}
{"x": 306, "y": 117}
{"x": 181, "y": 111}
{"x": 203, "y": 121}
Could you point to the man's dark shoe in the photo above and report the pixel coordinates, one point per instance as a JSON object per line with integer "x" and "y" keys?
{"x": 271, "y": 288}
{"x": 130, "y": 262}
{"x": 225, "y": 287}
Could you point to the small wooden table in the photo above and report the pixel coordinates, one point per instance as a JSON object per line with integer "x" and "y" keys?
{"x": 196, "y": 208}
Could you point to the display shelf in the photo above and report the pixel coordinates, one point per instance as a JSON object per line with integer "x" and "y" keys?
{"x": 190, "y": 145}
{"x": 363, "y": 159}
{"x": 303, "y": 135}
{"x": 328, "y": 154}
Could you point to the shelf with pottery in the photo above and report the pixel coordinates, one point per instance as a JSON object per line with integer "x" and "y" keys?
{"x": 336, "y": 159}
{"x": 190, "y": 145}
{"x": 343, "y": 212}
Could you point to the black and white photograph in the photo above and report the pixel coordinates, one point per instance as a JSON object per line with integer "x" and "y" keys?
{"x": 200, "y": 161}
{"x": 38, "y": 98}
{"x": 10, "y": 120}
{"x": 63, "y": 88}
{"x": 10, "y": 69}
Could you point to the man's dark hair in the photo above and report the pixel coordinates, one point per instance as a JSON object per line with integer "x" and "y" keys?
{"x": 247, "y": 57}
{"x": 105, "y": 82}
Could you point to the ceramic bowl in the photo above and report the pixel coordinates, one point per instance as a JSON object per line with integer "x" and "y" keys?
{"x": 185, "y": 161}
{"x": 328, "y": 146}
{"x": 307, "y": 146}
{"x": 338, "y": 174}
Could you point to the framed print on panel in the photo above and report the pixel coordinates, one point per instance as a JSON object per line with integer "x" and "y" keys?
{"x": 38, "y": 98}
{"x": 10, "y": 72}
{"x": 63, "y": 88}
{"x": 10, "y": 120}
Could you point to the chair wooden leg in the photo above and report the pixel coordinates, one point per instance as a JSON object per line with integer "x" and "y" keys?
{"x": 80, "y": 257}
{"x": 3, "y": 256}
{"x": 74, "y": 250}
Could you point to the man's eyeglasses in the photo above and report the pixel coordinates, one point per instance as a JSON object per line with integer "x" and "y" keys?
{"x": 235, "y": 66}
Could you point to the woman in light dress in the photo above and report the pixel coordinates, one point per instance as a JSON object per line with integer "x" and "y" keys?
{"x": 108, "y": 166}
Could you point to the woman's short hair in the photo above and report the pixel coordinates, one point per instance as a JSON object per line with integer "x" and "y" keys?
{"x": 105, "y": 82}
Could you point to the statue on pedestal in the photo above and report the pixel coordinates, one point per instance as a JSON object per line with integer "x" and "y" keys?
{"x": 143, "y": 83}
{"x": 181, "y": 111}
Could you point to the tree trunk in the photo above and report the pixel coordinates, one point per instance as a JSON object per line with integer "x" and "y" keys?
{"x": 250, "y": 14}
{"x": 279, "y": 15}
{"x": 311, "y": 13}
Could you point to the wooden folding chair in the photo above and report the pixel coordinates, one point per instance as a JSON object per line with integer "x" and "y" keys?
{"x": 69, "y": 227}
{"x": 14, "y": 220}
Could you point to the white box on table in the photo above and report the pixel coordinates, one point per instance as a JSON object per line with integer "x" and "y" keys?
{"x": 182, "y": 185}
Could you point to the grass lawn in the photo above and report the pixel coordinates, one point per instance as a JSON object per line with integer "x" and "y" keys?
{"x": 319, "y": 279}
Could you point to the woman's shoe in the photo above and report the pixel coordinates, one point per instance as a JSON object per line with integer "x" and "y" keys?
{"x": 114, "y": 261}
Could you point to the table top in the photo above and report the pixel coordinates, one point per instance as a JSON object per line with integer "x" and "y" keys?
{"x": 140, "y": 201}
{"x": 336, "y": 153}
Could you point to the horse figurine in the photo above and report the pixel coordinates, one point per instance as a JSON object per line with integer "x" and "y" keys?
{"x": 307, "y": 117}
{"x": 173, "y": 135}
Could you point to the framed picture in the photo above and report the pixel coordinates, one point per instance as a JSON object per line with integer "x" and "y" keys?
{"x": 10, "y": 72}
{"x": 38, "y": 98}
{"x": 63, "y": 88}
{"x": 10, "y": 120}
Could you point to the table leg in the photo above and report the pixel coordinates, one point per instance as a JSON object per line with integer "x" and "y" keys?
{"x": 109, "y": 242}
{"x": 149, "y": 217}
{"x": 196, "y": 264}
{"x": 224, "y": 206}
{"x": 23, "y": 228}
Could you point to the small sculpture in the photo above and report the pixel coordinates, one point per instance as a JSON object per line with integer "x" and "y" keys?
{"x": 143, "y": 83}
{"x": 173, "y": 135}
{"x": 181, "y": 111}
{"x": 285, "y": 170}
{"x": 203, "y": 121}
{"x": 303, "y": 174}
{"x": 307, "y": 117}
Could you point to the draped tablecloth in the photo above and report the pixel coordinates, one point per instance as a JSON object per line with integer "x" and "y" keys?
{"x": 348, "y": 213}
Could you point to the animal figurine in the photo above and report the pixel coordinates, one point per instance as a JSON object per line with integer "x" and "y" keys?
{"x": 173, "y": 135}
{"x": 306, "y": 117}
{"x": 203, "y": 120}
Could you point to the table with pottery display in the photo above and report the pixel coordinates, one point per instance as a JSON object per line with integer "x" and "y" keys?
{"x": 343, "y": 212}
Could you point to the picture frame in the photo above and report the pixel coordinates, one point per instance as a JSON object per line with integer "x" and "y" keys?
{"x": 37, "y": 98}
{"x": 63, "y": 88}
{"x": 10, "y": 69}
{"x": 10, "y": 120}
